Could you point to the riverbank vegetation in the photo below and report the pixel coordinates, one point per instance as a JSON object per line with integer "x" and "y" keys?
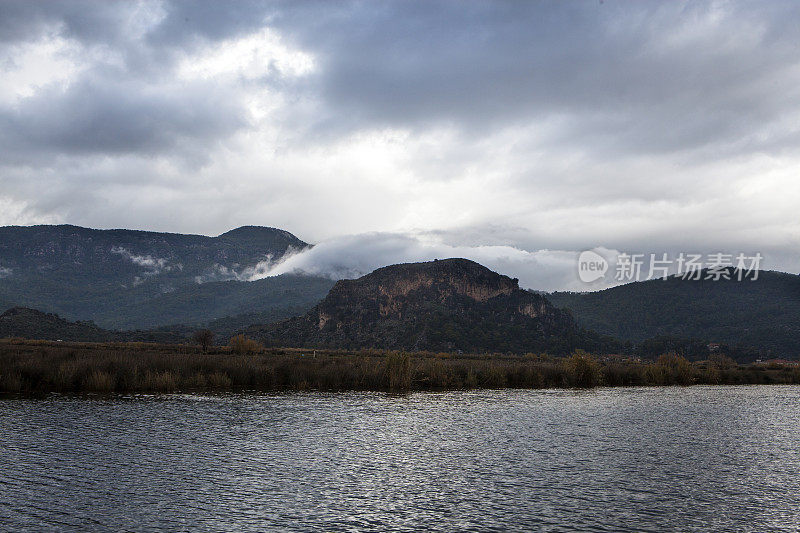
{"x": 44, "y": 366}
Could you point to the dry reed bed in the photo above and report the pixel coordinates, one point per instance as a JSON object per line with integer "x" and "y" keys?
{"x": 40, "y": 366}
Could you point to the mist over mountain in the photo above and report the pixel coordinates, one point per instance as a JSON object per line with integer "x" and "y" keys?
{"x": 130, "y": 258}
{"x": 126, "y": 279}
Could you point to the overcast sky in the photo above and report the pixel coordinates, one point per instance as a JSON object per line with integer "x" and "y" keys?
{"x": 493, "y": 130}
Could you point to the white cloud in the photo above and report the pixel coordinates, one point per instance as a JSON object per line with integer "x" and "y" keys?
{"x": 26, "y": 67}
{"x": 152, "y": 265}
{"x": 643, "y": 127}
{"x": 247, "y": 57}
{"x": 261, "y": 269}
{"x": 355, "y": 255}
{"x": 15, "y": 212}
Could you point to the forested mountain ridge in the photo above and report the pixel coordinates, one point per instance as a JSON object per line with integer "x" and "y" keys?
{"x": 762, "y": 313}
{"x": 130, "y": 257}
{"x": 127, "y": 279}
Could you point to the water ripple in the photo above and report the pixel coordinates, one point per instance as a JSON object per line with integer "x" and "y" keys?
{"x": 652, "y": 459}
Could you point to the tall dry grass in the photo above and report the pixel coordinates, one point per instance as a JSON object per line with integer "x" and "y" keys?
{"x": 31, "y": 367}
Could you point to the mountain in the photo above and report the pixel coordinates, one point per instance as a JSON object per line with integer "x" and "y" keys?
{"x": 125, "y": 279}
{"x": 240, "y": 302}
{"x": 32, "y": 324}
{"x": 445, "y": 305}
{"x": 762, "y": 313}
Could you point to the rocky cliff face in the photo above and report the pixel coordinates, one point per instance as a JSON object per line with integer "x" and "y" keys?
{"x": 452, "y": 304}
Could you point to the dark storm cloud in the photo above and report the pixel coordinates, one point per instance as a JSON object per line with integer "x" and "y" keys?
{"x": 93, "y": 21}
{"x": 214, "y": 21}
{"x": 623, "y": 76}
{"x": 619, "y": 77}
{"x": 108, "y": 22}
{"x": 561, "y": 125}
{"x": 129, "y": 102}
{"x": 104, "y": 116}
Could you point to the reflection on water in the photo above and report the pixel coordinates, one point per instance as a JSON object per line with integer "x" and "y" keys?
{"x": 700, "y": 458}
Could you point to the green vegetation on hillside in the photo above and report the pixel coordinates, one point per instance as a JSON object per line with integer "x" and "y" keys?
{"x": 762, "y": 314}
{"x": 123, "y": 279}
{"x": 226, "y": 304}
{"x": 21, "y": 322}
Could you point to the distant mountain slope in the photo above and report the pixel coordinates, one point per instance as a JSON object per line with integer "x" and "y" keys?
{"x": 277, "y": 298}
{"x": 452, "y": 304}
{"x": 140, "y": 279}
{"x": 32, "y": 324}
{"x": 127, "y": 258}
{"x": 764, "y": 313}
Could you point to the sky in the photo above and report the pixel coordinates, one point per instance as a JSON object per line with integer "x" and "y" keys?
{"x": 514, "y": 133}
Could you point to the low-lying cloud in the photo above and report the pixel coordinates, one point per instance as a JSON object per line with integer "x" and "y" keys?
{"x": 152, "y": 265}
{"x": 355, "y": 255}
{"x": 659, "y": 126}
{"x": 262, "y": 269}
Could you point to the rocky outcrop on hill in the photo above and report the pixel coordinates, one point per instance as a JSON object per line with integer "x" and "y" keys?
{"x": 445, "y": 305}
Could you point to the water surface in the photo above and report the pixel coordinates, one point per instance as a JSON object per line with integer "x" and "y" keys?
{"x": 650, "y": 459}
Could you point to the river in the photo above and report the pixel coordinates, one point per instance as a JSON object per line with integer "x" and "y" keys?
{"x": 624, "y": 459}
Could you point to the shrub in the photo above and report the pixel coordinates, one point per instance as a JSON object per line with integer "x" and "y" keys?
{"x": 203, "y": 337}
{"x": 721, "y": 362}
{"x": 242, "y": 345}
{"x": 672, "y": 368}
{"x": 621, "y": 375}
{"x": 581, "y": 370}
